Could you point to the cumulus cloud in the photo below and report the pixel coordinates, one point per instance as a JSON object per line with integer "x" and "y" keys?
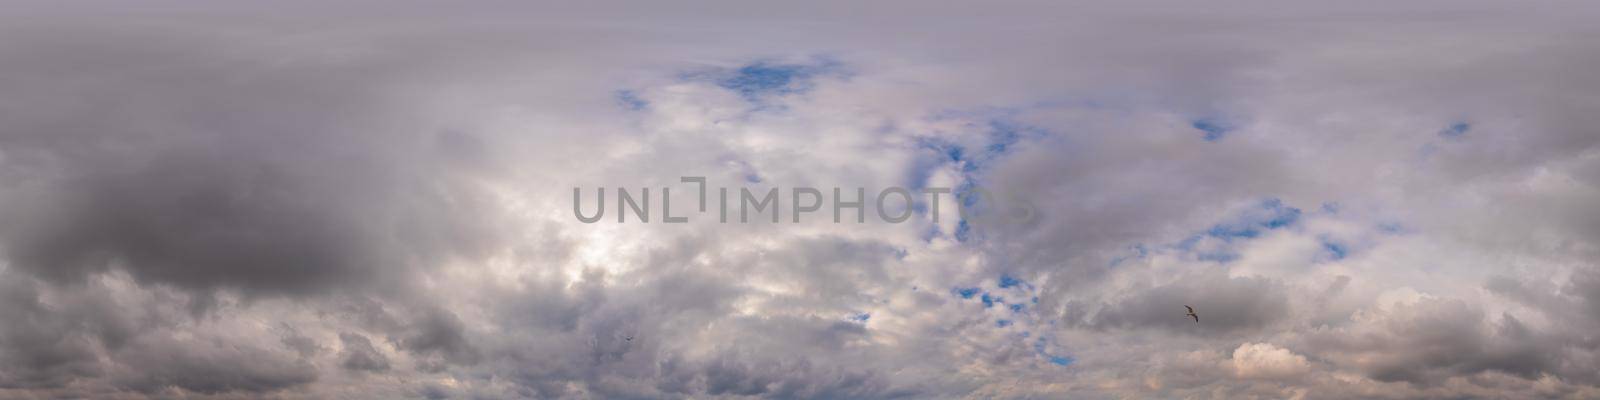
{"x": 1265, "y": 361}
{"x": 1359, "y": 200}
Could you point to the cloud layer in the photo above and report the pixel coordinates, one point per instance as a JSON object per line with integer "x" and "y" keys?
{"x": 363, "y": 201}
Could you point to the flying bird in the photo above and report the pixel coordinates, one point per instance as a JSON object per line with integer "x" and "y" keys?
{"x": 1192, "y": 314}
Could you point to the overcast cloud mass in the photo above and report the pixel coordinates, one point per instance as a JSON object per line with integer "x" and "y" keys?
{"x": 374, "y": 200}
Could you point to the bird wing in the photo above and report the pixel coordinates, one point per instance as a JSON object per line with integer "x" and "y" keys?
{"x": 1191, "y": 309}
{"x": 1196, "y": 318}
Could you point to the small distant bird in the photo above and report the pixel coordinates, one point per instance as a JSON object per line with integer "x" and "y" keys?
{"x": 629, "y": 338}
{"x": 1192, "y": 314}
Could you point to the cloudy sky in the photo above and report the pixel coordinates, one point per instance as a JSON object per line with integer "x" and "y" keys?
{"x": 374, "y": 200}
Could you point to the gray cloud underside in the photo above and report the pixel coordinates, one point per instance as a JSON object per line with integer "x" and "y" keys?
{"x": 373, "y": 201}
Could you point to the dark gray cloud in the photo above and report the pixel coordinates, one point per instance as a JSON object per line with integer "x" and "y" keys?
{"x": 233, "y": 201}
{"x": 291, "y": 178}
{"x": 359, "y": 355}
{"x": 1225, "y": 305}
{"x": 208, "y": 367}
{"x": 38, "y": 349}
{"x": 1432, "y": 340}
{"x": 302, "y": 345}
{"x": 438, "y": 337}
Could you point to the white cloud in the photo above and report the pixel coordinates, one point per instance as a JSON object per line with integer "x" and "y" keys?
{"x": 1265, "y": 361}
{"x": 278, "y": 202}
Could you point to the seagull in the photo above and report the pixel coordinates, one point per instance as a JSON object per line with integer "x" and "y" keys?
{"x": 629, "y": 338}
{"x": 1192, "y": 314}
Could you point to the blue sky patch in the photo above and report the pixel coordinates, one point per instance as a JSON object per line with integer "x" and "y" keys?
{"x": 966, "y": 293}
{"x": 630, "y": 100}
{"x": 1271, "y": 214}
{"x": 1335, "y": 250}
{"x": 969, "y": 159}
{"x": 1003, "y": 134}
{"x": 1281, "y": 215}
{"x": 1230, "y": 231}
{"x": 1006, "y": 281}
{"x": 1331, "y": 207}
{"x": 1062, "y": 360}
{"x": 1000, "y": 136}
{"x": 954, "y": 153}
{"x": 988, "y": 301}
{"x": 1214, "y": 129}
{"x": 862, "y": 317}
{"x": 1222, "y": 257}
{"x": 963, "y": 230}
{"x": 761, "y": 79}
{"x": 1251, "y": 223}
{"x": 1455, "y": 130}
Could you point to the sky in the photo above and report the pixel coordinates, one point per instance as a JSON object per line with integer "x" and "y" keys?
{"x": 374, "y": 200}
